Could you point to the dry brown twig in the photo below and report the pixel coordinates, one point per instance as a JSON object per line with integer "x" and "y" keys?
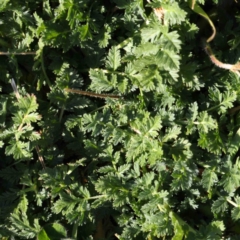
{"x": 92, "y": 94}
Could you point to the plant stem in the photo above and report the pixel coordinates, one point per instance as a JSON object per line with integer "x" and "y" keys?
{"x": 17, "y": 53}
{"x": 44, "y": 71}
{"x": 231, "y": 202}
{"x": 99, "y": 196}
{"x": 92, "y": 94}
{"x": 75, "y": 230}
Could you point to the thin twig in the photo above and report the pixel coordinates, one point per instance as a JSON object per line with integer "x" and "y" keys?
{"x": 17, "y": 53}
{"x": 91, "y": 94}
{"x": 40, "y": 157}
{"x": 61, "y": 113}
{"x": 44, "y": 70}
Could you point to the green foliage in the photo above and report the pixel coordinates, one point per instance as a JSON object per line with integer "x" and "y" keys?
{"x": 20, "y": 224}
{"x": 152, "y": 143}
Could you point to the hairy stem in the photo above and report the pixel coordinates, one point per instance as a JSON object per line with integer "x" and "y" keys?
{"x": 218, "y": 63}
{"x": 91, "y": 94}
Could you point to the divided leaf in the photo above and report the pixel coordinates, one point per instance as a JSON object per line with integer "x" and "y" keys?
{"x": 209, "y": 178}
{"x": 100, "y": 82}
{"x": 173, "y": 13}
{"x": 222, "y": 100}
{"x": 171, "y": 133}
{"x": 205, "y": 122}
{"x": 170, "y": 41}
{"x": 113, "y": 59}
{"x": 168, "y": 60}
